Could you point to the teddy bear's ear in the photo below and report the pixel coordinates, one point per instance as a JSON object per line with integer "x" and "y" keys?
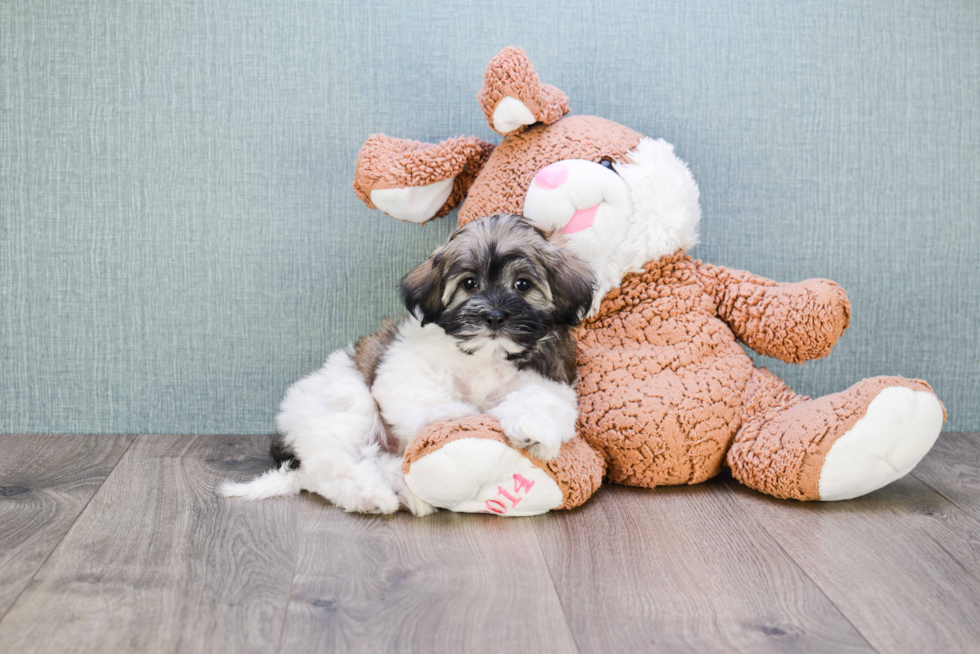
{"x": 512, "y": 97}
{"x": 416, "y": 181}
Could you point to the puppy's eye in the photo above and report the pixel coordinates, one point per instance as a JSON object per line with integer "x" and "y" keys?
{"x": 470, "y": 283}
{"x": 606, "y": 162}
{"x": 522, "y": 286}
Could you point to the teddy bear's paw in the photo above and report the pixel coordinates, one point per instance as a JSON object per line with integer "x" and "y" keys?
{"x": 899, "y": 428}
{"x": 482, "y": 475}
{"x": 414, "y": 204}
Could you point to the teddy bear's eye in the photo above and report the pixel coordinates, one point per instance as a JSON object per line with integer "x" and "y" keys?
{"x": 606, "y": 162}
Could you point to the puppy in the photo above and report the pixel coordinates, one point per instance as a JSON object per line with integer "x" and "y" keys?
{"x": 490, "y": 332}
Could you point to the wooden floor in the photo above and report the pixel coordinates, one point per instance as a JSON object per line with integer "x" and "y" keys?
{"x": 118, "y": 544}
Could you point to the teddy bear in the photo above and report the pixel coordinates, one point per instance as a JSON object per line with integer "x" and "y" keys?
{"x": 666, "y": 393}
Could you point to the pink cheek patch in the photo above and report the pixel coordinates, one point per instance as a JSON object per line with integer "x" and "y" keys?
{"x": 551, "y": 177}
{"x": 581, "y": 219}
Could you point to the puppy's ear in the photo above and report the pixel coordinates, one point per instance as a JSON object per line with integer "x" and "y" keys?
{"x": 421, "y": 290}
{"x": 572, "y": 286}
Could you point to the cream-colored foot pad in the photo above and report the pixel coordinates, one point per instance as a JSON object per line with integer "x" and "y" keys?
{"x": 478, "y": 475}
{"x": 900, "y": 426}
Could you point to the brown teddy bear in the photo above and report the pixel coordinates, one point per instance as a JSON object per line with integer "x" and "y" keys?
{"x": 666, "y": 393}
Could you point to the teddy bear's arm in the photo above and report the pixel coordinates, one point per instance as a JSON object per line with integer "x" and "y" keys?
{"x": 416, "y": 181}
{"x": 791, "y": 322}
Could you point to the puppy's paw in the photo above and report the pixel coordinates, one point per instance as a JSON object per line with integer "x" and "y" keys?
{"x": 538, "y": 420}
{"x": 538, "y": 435}
{"x": 382, "y": 501}
{"x": 377, "y": 499}
{"x": 418, "y": 507}
{"x": 545, "y": 451}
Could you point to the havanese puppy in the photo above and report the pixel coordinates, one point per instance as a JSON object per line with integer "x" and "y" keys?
{"x": 490, "y": 331}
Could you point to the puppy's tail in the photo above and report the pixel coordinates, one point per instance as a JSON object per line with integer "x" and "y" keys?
{"x": 277, "y": 482}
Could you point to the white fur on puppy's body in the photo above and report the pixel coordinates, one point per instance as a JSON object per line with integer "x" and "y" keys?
{"x": 333, "y": 421}
{"x": 424, "y": 378}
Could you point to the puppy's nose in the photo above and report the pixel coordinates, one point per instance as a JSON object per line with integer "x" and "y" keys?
{"x": 494, "y": 319}
{"x": 551, "y": 177}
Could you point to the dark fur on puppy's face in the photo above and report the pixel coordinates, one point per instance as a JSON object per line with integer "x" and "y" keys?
{"x": 500, "y": 283}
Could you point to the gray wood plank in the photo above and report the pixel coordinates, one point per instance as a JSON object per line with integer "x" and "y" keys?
{"x": 444, "y": 583}
{"x": 901, "y": 563}
{"x": 683, "y": 569}
{"x": 158, "y": 563}
{"x": 45, "y": 483}
{"x": 952, "y": 469}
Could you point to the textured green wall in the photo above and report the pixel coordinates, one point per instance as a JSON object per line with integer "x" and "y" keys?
{"x": 179, "y": 240}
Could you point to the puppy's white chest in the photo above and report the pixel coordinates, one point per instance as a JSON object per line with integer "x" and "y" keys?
{"x": 485, "y": 387}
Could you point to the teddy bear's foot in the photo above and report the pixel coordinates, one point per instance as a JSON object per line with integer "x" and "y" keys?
{"x": 478, "y": 475}
{"x": 834, "y": 447}
{"x": 899, "y": 428}
{"x": 468, "y": 466}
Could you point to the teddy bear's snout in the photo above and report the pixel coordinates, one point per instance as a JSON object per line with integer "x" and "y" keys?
{"x": 566, "y": 195}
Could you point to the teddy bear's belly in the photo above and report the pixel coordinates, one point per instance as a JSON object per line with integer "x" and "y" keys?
{"x": 663, "y": 413}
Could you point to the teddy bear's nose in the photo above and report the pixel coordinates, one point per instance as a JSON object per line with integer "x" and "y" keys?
{"x": 551, "y": 176}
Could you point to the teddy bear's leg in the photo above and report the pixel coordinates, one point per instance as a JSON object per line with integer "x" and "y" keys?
{"x": 468, "y": 466}
{"x": 834, "y": 447}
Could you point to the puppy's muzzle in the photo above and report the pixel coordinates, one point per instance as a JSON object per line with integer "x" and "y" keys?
{"x": 494, "y": 319}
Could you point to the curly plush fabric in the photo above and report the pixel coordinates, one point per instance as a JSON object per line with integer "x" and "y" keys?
{"x": 791, "y": 322}
{"x": 511, "y": 74}
{"x": 785, "y": 438}
{"x": 577, "y": 469}
{"x": 385, "y": 163}
{"x": 665, "y": 389}
{"x": 660, "y": 378}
